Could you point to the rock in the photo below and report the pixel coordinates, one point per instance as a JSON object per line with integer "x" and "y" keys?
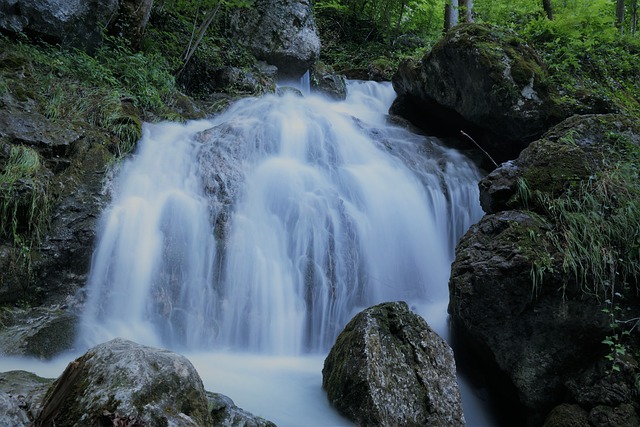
{"x": 389, "y": 368}
{"x": 567, "y": 415}
{"x": 570, "y": 152}
{"x": 325, "y": 81}
{"x": 74, "y": 23}
{"x": 41, "y": 332}
{"x": 529, "y": 340}
{"x": 202, "y": 78}
{"x": 226, "y": 414}
{"x": 21, "y": 396}
{"x": 280, "y": 32}
{"x": 121, "y": 381}
{"x": 534, "y": 326}
{"x": 483, "y": 81}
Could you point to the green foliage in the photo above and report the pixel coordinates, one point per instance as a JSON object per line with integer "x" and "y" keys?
{"x": 594, "y": 68}
{"x": 598, "y": 230}
{"x": 359, "y": 37}
{"x": 24, "y": 200}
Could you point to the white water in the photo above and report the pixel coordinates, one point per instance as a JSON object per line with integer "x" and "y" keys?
{"x": 251, "y": 239}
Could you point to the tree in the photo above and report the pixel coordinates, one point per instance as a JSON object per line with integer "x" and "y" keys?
{"x": 620, "y": 14}
{"x": 466, "y": 10}
{"x": 548, "y": 9}
{"x": 450, "y": 14}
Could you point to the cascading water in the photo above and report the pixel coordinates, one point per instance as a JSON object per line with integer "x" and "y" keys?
{"x": 268, "y": 227}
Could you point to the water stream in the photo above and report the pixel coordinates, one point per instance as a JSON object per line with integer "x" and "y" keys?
{"x": 249, "y": 240}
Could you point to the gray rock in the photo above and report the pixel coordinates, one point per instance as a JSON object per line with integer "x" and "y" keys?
{"x": 388, "y": 368}
{"x": 121, "y": 381}
{"x": 75, "y": 23}
{"x": 280, "y": 32}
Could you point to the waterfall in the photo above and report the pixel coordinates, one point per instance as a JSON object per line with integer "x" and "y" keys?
{"x": 267, "y": 227}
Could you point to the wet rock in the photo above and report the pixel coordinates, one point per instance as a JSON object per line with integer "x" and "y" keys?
{"x": 41, "y": 332}
{"x": 325, "y": 81}
{"x": 21, "y": 396}
{"x": 75, "y": 23}
{"x": 282, "y": 33}
{"x": 124, "y": 381}
{"x": 226, "y": 414}
{"x": 483, "y": 81}
{"x": 389, "y": 368}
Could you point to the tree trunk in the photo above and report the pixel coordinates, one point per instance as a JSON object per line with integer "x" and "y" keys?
{"x": 634, "y": 16}
{"x": 620, "y": 14}
{"x": 548, "y": 9}
{"x": 466, "y": 10}
{"x": 450, "y": 14}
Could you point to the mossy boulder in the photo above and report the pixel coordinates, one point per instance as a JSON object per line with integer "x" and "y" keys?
{"x": 481, "y": 80}
{"x": 124, "y": 381}
{"x": 544, "y": 289}
{"x": 573, "y": 151}
{"x": 388, "y": 368}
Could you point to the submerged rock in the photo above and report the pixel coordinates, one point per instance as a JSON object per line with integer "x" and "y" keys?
{"x": 483, "y": 81}
{"x": 388, "y": 368}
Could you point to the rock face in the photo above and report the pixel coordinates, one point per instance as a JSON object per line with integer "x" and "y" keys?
{"x": 280, "y": 32}
{"x": 388, "y": 368}
{"x": 75, "y": 23}
{"x": 482, "y": 81}
{"x": 527, "y": 322}
{"x": 124, "y": 381}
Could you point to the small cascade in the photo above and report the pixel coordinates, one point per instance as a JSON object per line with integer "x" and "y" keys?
{"x": 266, "y": 228}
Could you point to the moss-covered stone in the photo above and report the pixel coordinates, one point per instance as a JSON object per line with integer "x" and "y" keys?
{"x": 482, "y": 80}
{"x": 121, "y": 379}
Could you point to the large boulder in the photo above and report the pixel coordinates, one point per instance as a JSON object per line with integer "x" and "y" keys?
{"x": 280, "y": 32}
{"x": 546, "y": 334}
{"x": 75, "y": 23}
{"x": 388, "y": 368}
{"x": 126, "y": 382}
{"x": 483, "y": 81}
